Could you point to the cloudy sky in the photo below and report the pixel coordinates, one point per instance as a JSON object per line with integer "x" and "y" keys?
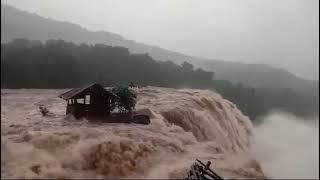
{"x": 282, "y": 33}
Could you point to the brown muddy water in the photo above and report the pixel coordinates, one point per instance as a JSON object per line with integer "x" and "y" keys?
{"x": 185, "y": 124}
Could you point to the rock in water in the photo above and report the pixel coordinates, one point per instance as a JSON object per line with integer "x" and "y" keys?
{"x": 141, "y": 119}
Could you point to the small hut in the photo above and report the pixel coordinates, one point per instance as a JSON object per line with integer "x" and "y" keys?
{"x": 89, "y": 101}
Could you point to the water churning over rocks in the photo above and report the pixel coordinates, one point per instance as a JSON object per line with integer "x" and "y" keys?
{"x": 185, "y": 124}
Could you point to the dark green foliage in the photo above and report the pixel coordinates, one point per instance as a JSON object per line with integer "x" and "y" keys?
{"x": 187, "y": 66}
{"x": 60, "y": 64}
{"x": 125, "y": 100}
{"x": 267, "y": 80}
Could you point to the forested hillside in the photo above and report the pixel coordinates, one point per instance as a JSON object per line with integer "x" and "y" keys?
{"x": 19, "y": 24}
{"x": 60, "y": 64}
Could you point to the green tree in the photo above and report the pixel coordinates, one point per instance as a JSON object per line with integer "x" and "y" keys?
{"x": 125, "y": 100}
{"x": 187, "y": 66}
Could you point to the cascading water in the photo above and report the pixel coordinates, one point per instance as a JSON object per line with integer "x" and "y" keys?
{"x": 185, "y": 124}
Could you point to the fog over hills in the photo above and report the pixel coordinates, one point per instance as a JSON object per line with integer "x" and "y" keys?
{"x": 251, "y": 120}
{"x": 283, "y": 34}
{"x": 21, "y": 24}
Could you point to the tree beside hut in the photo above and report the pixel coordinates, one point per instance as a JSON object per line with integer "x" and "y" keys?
{"x": 94, "y": 101}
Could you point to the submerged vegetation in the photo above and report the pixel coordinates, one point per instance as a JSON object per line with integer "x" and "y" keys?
{"x": 125, "y": 99}
{"x": 60, "y": 64}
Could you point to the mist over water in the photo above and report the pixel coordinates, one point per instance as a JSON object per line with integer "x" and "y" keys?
{"x": 185, "y": 124}
{"x": 288, "y": 147}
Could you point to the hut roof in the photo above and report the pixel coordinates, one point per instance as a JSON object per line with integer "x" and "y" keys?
{"x": 78, "y": 91}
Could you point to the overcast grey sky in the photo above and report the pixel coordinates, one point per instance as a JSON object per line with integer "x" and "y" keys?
{"x": 282, "y": 33}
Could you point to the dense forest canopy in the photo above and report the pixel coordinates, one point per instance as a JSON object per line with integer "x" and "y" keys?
{"x": 21, "y": 24}
{"x": 60, "y": 64}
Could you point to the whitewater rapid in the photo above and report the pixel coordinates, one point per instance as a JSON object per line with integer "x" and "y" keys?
{"x": 185, "y": 124}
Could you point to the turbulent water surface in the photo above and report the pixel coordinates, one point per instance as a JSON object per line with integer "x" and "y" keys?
{"x": 288, "y": 147}
{"x": 185, "y": 124}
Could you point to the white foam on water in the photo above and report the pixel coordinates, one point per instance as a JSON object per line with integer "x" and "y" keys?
{"x": 185, "y": 124}
{"x": 288, "y": 147}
